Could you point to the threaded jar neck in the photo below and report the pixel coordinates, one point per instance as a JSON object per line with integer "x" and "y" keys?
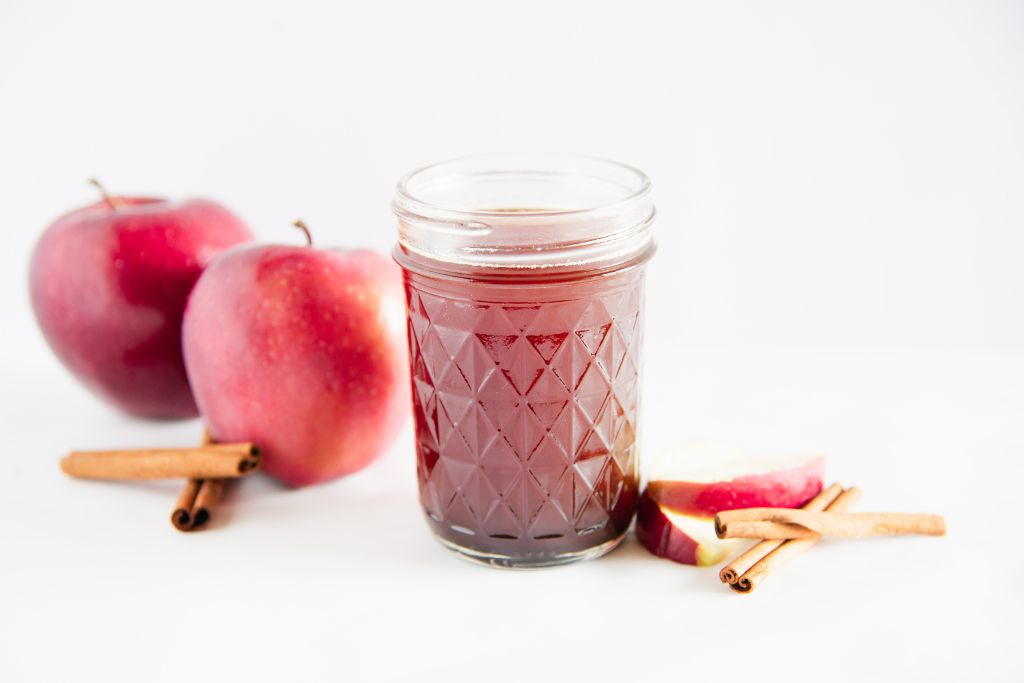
{"x": 525, "y": 214}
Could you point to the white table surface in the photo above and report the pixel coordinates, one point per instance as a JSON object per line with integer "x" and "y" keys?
{"x": 342, "y": 581}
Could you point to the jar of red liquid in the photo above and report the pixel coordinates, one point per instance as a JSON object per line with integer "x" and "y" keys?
{"x": 524, "y": 284}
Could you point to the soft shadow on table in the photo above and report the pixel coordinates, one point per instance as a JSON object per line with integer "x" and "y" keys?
{"x": 348, "y": 517}
{"x": 241, "y": 493}
{"x": 336, "y": 521}
{"x": 630, "y": 554}
{"x": 225, "y": 510}
{"x": 159, "y": 488}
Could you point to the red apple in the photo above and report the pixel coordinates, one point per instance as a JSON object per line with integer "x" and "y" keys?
{"x": 679, "y": 538}
{"x": 108, "y": 284}
{"x": 702, "y": 480}
{"x": 303, "y": 352}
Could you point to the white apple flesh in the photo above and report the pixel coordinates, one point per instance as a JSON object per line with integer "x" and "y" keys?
{"x": 683, "y": 539}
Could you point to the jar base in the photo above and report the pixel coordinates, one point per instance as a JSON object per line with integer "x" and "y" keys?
{"x": 539, "y": 561}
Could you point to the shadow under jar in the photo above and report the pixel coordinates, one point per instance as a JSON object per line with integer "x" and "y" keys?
{"x": 524, "y": 286}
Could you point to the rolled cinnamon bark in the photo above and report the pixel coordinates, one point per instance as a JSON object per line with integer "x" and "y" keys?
{"x": 207, "y": 499}
{"x": 759, "y": 571}
{"x": 181, "y": 518}
{"x": 205, "y": 462}
{"x": 731, "y": 572}
{"x": 779, "y": 523}
{"x": 762, "y": 529}
{"x": 209, "y": 492}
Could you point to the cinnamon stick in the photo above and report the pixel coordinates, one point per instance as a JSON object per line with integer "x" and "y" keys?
{"x": 209, "y": 492}
{"x": 206, "y": 500}
{"x": 205, "y": 462}
{"x": 181, "y": 518}
{"x": 731, "y": 573}
{"x": 785, "y": 523}
{"x": 787, "y": 550}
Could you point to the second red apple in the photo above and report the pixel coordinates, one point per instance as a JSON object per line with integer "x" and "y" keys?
{"x": 303, "y": 352}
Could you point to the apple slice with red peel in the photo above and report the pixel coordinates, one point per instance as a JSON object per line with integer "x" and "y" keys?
{"x": 701, "y": 480}
{"x": 677, "y": 537}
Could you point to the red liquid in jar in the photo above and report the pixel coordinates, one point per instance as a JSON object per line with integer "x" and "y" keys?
{"x": 525, "y": 400}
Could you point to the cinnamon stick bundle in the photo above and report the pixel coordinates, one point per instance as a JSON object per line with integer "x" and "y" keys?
{"x": 756, "y": 573}
{"x": 731, "y": 573}
{"x": 197, "y": 499}
{"x": 212, "y": 461}
{"x": 195, "y": 503}
{"x": 782, "y": 523}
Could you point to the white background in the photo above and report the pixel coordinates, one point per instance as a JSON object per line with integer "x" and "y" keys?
{"x": 841, "y": 230}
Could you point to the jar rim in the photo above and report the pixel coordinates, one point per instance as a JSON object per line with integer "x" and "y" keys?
{"x": 525, "y": 211}
{"x": 407, "y": 199}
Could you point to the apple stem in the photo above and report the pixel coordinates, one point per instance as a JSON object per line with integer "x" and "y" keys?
{"x": 301, "y": 225}
{"x": 112, "y": 202}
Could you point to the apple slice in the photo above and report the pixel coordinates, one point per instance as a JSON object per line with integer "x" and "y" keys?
{"x": 701, "y": 480}
{"x": 679, "y": 538}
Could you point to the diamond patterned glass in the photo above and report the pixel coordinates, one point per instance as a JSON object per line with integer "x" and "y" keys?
{"x": 525, "y": 400}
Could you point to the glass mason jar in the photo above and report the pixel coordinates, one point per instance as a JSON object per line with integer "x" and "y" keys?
{"x": 524, "y": 286}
